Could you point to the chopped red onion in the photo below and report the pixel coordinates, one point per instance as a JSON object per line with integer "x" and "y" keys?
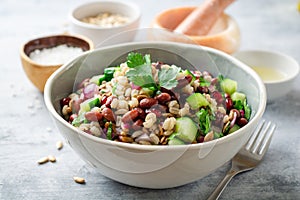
{"x": 90, "y": 90}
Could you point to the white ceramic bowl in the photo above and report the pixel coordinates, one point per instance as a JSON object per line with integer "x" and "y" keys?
{"x": 155, "y": 166}
{"x": 278, "y": 71}
{"x": 100, "y": 34}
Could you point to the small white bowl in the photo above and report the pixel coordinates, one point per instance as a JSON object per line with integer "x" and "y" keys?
{"x": 98, "y": 34}
{"x": 277, "y": 70}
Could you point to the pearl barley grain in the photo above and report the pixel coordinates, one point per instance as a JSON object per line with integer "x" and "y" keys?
{"x": 106, "y": 19}
{"x": 56, "y": 55}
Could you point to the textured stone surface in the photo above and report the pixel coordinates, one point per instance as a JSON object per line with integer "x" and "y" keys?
{"x": 27, "y": 132}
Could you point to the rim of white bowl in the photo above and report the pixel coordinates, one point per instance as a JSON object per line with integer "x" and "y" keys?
{"x": 254, "y": 119}
{"x": 288, "y": 77}
{"x": 136, "y": 10}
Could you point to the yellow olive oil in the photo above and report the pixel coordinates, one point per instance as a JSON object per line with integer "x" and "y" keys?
{"x": 269, "y": 74}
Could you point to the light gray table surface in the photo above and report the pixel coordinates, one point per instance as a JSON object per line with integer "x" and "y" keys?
{"x": 27, "y": 132}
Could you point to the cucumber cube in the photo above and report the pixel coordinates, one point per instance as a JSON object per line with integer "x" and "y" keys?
{"x": 197, "y": 100}
{"x": 228, "y": 86}
{"x": 186, "y": 129}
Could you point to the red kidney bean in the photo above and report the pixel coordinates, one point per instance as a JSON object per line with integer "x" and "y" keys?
{"x": 189, "y": 78}
{"x": 163, "y": 98}
{"x": 218, "y": 97}
{"x": 103, "y": 100}
{"x": 202, "y": 89}
{"x": 108, "y": 114}
{"x": 148, "y": 102}
{"x": 172, "y": 93}
{"x": 229, "y": 104}
{"x": 130, "y": 116}
{"x": 182, "y": 82}
{"x": 65, "y": 101}
{"x": 141, "y": 112}
{"x": 227, "y": 95}
{"x": 137, "y": 125}
{"x": 108, "y": 101}
{"x": 242, "y": 121}
{"x": 93, "y": 116}
{"x": 242, "y": 112}
{"x": 200, "y": 139}
{"x": 99, "y": 116}
{"x": 72, "y": 117}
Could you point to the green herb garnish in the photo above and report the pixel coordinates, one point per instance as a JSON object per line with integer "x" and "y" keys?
{"x": 204, "y": 120}
{"x": 79, "y": 120}
{"x": 167, "y": 77}
{"x": 247, "y": 109}
{"x": 140, "y": 73}
{"x": 109, "y": 131}
{"x": 142, "y": 76}
{"x": 137, "y": 59}
{"x": 203, "y": 82}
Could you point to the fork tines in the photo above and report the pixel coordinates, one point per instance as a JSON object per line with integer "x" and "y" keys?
{"x": 261, "y": 137}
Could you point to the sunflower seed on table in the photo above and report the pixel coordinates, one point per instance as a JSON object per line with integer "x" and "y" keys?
{"x": 43, "y": 160}
{"x": 51, "y": 158}
{"x": 59, "y": 145}
{"x": 79, "y": 180}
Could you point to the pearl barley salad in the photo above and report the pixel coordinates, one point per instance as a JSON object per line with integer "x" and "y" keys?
{"x": 153, "y": 103}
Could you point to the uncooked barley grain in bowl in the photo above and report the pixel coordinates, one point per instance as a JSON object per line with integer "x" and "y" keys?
{"x": 154, "y": 103}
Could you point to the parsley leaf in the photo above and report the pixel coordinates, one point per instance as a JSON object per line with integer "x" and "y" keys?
{"x": 167, "y": 77}
{"x": 140, "y": 73}
{"x": 238, "y": 104}
{"x": 243, "y": 105}
{"x": 137, "y": 59}
{"x": 142, "y": 76}
{"x": 204, "y": 120}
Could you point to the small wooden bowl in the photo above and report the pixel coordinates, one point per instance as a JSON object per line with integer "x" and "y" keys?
{"x": 224, "y": 35}
{"x": 38, "y": 73}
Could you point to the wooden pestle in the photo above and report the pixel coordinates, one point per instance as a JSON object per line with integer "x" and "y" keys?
{"x": 201, "y": 20}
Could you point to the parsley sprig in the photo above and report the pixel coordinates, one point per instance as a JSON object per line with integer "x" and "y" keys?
{"x": 140, "y": 73}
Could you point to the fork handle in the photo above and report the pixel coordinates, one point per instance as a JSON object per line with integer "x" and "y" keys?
{"x": 219, "y": 189}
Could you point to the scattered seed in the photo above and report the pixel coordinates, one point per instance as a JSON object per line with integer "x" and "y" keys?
{"x": 59, "y": 145}
{"x": 43, "y": 160}
{"x": 79, "y": 180}
{"x": 51, "y": 158}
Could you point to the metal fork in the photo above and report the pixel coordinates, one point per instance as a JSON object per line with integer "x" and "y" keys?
{"x": 249, "y": 156}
